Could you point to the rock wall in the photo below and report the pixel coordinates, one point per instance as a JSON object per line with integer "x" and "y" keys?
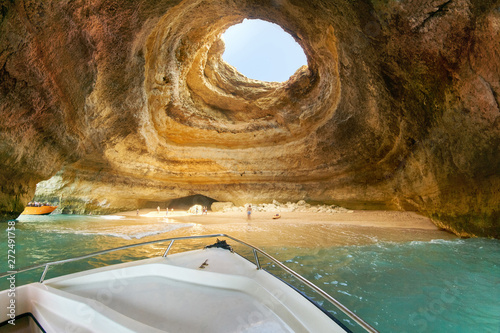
{"x": 129, "y": 102}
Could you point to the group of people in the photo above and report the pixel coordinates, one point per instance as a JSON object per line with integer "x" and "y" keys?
{"x": 37, "y": 204}
{"x": 159, "y": 210}
{"x": 203, "y": 210}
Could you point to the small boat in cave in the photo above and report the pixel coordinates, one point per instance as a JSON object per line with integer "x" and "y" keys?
{"x": 211, "y": 289}
{"x": 41, "y": 210}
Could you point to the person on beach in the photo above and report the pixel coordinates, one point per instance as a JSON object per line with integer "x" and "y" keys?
{"x": 158, "y": 210}
{"x": 249, "y": 212}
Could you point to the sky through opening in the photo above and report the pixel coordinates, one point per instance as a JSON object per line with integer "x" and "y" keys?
{"x": 262, "y": 51}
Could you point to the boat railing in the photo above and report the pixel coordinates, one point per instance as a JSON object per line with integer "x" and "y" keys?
{"x": 254, "y": 249}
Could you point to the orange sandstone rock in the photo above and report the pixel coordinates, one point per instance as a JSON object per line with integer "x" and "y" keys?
{"x": 132, "y": 103}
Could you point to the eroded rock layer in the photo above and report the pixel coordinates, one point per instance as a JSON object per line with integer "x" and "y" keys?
{"x": 398, "y": 107}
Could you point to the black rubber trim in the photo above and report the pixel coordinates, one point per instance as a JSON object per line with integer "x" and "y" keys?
{"x": 27, "y": 314}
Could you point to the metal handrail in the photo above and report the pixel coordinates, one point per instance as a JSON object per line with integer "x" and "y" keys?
{"x": 93, "y": 254}
{"x": 311, "y": 285}
{"x": 255, "y": 250}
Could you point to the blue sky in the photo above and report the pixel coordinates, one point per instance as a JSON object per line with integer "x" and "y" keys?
{"x": 263, "y": 51}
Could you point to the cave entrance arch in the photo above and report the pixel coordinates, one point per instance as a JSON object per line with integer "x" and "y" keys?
{"x": 262, "y": 51}
{"x": 185, "y": 203}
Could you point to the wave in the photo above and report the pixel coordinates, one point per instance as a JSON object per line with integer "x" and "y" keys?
{"x": 151, "y": 233}
{"x": 111, "y": 217}
{"x": 127, "y": 236}
{"x": 439, "y": 241}
{"x": 445, "y": 241}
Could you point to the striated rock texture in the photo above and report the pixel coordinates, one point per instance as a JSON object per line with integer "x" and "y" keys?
{"x": 130, "y": 103}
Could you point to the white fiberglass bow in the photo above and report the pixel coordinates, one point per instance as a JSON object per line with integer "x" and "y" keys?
{"x": 209, "y": 290}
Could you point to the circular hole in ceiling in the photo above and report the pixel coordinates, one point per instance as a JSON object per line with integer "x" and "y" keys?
{"x": 263, "y": 51}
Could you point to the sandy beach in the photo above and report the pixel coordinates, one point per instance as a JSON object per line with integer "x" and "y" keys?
{"x": 365, "y": 218}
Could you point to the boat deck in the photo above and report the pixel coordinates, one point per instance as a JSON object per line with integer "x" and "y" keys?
{"x": 210, "y": 290}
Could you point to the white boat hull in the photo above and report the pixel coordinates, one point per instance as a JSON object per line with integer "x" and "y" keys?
{"x": 211, "y": 290}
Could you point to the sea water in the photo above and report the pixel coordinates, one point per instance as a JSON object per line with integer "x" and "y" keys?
{"x": 398, "y": 280}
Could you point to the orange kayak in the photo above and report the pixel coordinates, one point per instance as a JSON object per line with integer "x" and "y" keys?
{"x": 44, "y": 210}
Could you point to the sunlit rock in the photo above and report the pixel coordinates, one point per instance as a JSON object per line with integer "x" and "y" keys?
{"x": 221, "y": 206}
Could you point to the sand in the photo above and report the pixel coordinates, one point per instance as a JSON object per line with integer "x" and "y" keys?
{"x": 300, "y": 229}
{"x": 372, "y": 218}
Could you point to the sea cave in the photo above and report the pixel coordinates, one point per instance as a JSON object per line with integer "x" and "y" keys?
{"x": 114, "y": 105}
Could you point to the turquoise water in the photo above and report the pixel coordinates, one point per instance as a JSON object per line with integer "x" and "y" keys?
{"x": 435, "y": 286}
{"x": 434, "y": 283}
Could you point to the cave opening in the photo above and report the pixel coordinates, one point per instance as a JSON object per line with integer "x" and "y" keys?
{"x": 185, "y": 203}
{"x": 263, "y": 51}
